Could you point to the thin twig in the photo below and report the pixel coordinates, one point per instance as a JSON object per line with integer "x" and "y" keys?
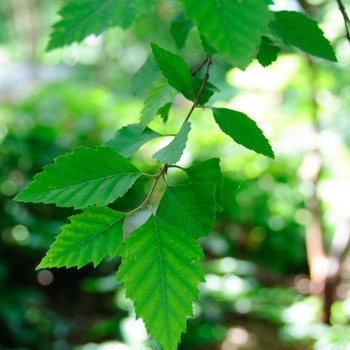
{"x": 205, "y": 79}
{"x": 345, "y": 17}
{"x": 193, "y": 73}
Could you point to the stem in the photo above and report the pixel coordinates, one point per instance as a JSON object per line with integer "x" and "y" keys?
{"x": 199, "y": 67}
{"x": 149, "y": 196}
{"x": 345, "y": 17}
{"x": 208, "y": 61}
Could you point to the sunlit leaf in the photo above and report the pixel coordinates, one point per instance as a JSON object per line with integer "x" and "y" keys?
{"x": 175, "y": 70}
{"x": 157, "y": 98}
{"x": 233, "y": 28}
{"x": 82, "y": 178}
{"x": 161, "y": 268}
{"x": 88, "y": 238}
{"x": 129, "y": 139}
{"x": 296, "y": 29}
{"x": 208, "y": 170}
{"x": 172, "y": 153}
{"x": 190, "y": 208}
{"x": 268, "y": 52}
{"x": 242, "y": 130}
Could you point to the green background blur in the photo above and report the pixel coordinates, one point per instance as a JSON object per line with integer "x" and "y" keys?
{"x": 257, "y": 294}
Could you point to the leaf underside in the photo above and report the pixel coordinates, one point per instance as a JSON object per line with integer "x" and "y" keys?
{"x": 157, "y": 98}
{"x": 296, "y": 29}
{"x": 172, "y": 153}
{"x": 161, "y": 268}
{"x": 129, "y": 139}
{"x": 208, "y": 170}
{"x": 242, "y": 130}
{"x": 82, "y": 178}
{"x": 189, "y": 207}
{"x": 233, "y": 28}
{"x": 81, "y": 18}
{"x": 88, "y": 238}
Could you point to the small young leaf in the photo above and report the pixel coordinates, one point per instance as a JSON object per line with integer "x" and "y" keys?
{"x": 129, "y": 139}
{"x": 296, "y": 29}
{"x": 157, "y": 98}
{"x": 194, "y": 206}
{"x": 209, "y": 90}
{"x": 145, "y": 76}
{"x": 82, "y": 178}
{"x": 243, "y": 130}
{"x": 81, "y": 18}
{"x": 175, "y": 70}
{"x": 161, "y": 268}
{"x": 209, "y": 170}
{"x": 179, "y": 29}
{"x": 233, "y": 28}
{"x": 164, "y": 112}
{"x": 172, "y": 153}
{"x": 268, "y": 52}
{"x": 88, "y": 238}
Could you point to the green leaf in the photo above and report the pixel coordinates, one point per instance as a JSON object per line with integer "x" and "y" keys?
{"x": 161, "y": 268}
{"x": 179, "y": 28}
{"x": 243, "y": 130}
{"x": 82, "y": 178}
{"x": 81, "y": 18}
{"x": 172, "y": 153}
{"x": 209, "y": 90}
{"x": 88, "y": 238}
{"x": 175, "y": 70}
{"x": 129, "y": 139}
{"x": 296, "y": 29}
{"x": 157, "y": 98}
{"x": 209, "y": 170}
{"x": 145, "y": 76}
{"x": 233, "y": 28}
{"x": 268, "y": 52}
{"x": 189, "y": 207}
{"x": 208, "y": 49}
{"x": 164, "y": 111}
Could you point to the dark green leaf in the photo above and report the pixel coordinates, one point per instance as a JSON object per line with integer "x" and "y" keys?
{"x": 146, "y": 75}
{"x": 175, "y": 70}
{"x": 268, "y": 52}
{"x": 81, "y": 18}
{"x": 179, "y": 29}
{"x": 189, "y": 207}
{"x": 233, "y": 28}
{"x": 172, "y": 153}
{"x": 209, "y": 90}
{"x": 161, "y": 268}
{"x": 82, "y": 178}
{"x": 243, "y": 130}
{"x": 157, "y": 98}
{"x": 296, "y": 29}
{"x": 88, "y": 238}
{"x": 209, "y": 170}
{"x": 129, "y": 139}
{"x": 164, "y": 111}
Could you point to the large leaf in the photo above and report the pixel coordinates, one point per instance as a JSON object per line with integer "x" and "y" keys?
{"x": 82, "y": 178}
{"x": 129, "y": 139}
{"x": 161, "y": 268}
{"x": 209, "y": 170}
{"x": 243, "y": 130}
{"x": 268, "y": 52}
{"x": 233, "y": 28}
{"x": 190, "y": 208}
{"x": 145, "y": 76}
{"x": 81, "y": 18}
{"x": 88, "y": 238}
{"x": 157, "y": 98}
{"x": 296, "y": 29}
{"x": 179, "y": 29}
{"x": 172, "y": 153}
{"x": 175, "y": 70}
